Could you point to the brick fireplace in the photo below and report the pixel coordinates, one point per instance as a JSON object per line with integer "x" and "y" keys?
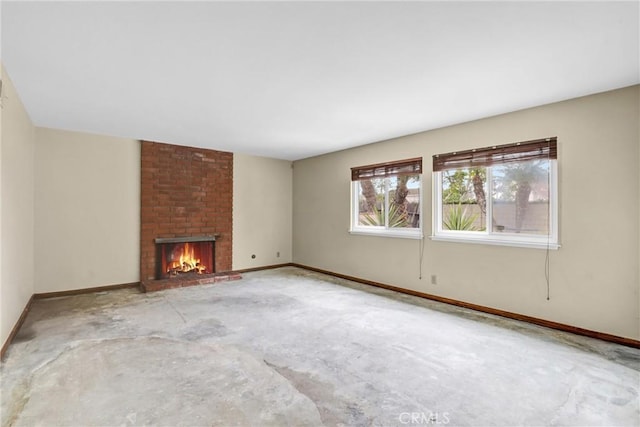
{"x": 186, "y": 195}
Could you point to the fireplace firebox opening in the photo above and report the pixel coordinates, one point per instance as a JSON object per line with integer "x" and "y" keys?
{"x": 183, "y": 257}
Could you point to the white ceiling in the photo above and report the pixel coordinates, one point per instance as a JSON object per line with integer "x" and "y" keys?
{"x": 296, "y": 79}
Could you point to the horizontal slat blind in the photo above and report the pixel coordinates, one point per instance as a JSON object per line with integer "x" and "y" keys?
{"x": 497, "y": 155}
{"x": 381, "y": 170}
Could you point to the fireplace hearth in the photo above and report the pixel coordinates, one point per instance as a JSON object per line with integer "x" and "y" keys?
{"x": 185, "y": 261}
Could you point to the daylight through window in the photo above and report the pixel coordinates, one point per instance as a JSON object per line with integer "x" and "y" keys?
{"x": 386, "y": 199}
{"x": 498, "y": 195}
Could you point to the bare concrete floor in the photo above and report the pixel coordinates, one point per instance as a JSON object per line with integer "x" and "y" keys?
{"x": 291, "y": 347}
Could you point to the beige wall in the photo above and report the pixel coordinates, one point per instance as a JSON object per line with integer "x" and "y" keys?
{"x": 87, "y": 210}
{"x": 16, "y": 188}
{"x": 262, "y": 211}
{"x": 594, "y": 275}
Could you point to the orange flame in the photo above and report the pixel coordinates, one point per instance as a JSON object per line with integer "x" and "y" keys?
{"x": 187, "y": 262}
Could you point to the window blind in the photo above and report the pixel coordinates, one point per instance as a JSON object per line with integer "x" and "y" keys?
{"x": 501, "y": 154}
{"x": 381, "y": 170}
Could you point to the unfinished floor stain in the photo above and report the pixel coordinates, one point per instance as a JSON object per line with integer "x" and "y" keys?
{"x": 157, "y": 381}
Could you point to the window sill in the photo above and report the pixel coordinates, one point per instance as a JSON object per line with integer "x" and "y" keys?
{"x": 413, "y": 234}
{"x": 485, "y": 240}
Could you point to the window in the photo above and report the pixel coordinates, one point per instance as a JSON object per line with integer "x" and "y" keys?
{"x": 504, "y": 195}
{"x": 386, "y": 199}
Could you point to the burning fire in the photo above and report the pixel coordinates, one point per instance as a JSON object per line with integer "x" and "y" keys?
{"x": 187, "y": 262}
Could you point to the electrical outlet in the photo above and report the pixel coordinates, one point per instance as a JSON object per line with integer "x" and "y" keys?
{"x": 434, "y": 279}
{"x": 277, "y": 254}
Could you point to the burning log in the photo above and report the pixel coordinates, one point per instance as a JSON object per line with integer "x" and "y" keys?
{"x": 186, "y": 268}
{"x": 184, "y": 261}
